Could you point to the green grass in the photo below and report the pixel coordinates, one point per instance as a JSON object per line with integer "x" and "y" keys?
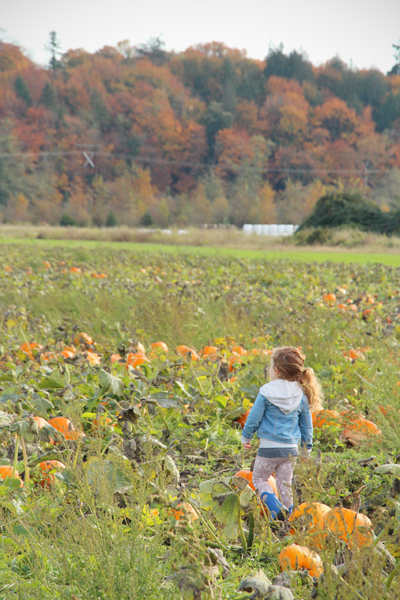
{"x": 300, "y": 255}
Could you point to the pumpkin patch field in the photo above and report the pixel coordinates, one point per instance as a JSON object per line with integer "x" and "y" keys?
{"x": 125, "y": 381}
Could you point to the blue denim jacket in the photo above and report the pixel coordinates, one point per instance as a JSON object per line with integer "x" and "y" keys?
{"x": 272, "y": 424}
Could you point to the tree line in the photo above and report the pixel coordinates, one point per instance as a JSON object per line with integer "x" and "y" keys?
{"x": 203, "y": 136}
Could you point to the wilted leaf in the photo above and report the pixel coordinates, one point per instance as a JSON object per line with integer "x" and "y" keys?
{"x": 246, "y": 496}
{"x": 192, "y": 582}
{"x": 5, "y": 419}
{"x": 172, "y": 468}
{"x": 130, "y": 414}
{"x": 111, "y": 383}
{"x": 258, "y": 585}
{"x": 279, "y": 592}
{"x": 388, "y": 469}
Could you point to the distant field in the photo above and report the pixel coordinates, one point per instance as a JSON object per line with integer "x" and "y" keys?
{"x": 318, "y": 254}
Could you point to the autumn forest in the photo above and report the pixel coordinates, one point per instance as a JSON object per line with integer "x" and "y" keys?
{"x": 140, "y": 136}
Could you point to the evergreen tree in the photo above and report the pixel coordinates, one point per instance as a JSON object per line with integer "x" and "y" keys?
{"x": 53, "y": 46}
{"x": 48, "y": 96}
{"x": 395, "y": 70}
{"x": 214, "y": 119}
{"x": 22, "y": 90}
{"x": 292, "y": 66}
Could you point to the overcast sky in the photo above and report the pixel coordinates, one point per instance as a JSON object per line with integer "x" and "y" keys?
{"x": 361, "y": 31}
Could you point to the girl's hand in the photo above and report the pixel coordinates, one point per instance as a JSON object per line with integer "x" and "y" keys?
{"x": 247, "y": 445}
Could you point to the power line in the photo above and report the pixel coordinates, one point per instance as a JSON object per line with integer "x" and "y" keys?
{"x": 164, "y": 161}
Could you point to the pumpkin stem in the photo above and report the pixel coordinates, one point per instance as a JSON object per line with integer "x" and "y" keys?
{"x": 241, "y": 532}
{"x": 250, "y": 537}
{"x": 15, "y": 456}
{"x": 26, "y": 467}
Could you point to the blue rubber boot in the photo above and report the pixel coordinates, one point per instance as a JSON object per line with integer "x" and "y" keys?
{"x": 275, "y": 507}
{"x": 290, "y": 509}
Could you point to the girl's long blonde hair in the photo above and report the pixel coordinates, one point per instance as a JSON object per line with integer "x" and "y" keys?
{"x": 290, "y": 363}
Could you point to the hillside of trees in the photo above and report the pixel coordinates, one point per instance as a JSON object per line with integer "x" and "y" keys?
{"x": 205, "y": 136}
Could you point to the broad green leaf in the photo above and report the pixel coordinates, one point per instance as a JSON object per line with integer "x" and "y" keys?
{"x": 221, "y": 400}
{"x": 111, "y": 383}
{"x": 227, "y": 514}
{"x": 53, "y": 381}
{"x": 41, "y": 404}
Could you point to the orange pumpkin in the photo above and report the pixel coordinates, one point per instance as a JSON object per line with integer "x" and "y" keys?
{"x": 209, "y": 351}
{"x": 68, "y": 352}
{"x": 353, "y": 528}
{"x": 93, "y": 358}
{"x": 239, "y": 350}
{"x": 161, "y": 345}
{"x": 185, "y": 350}
{"x": 296, "y": 557}
{"x": 246, "y": 474}
{"x": 83, "y": 338}
{"x": 359, "y": 431}
{"x": 64, "y": 426}
{"x": 325, "y": 417}
{"x": 235, "y": 360}
{"x": 134, "y": 360}
{"x": 115, "y": 358}
{"x": 329, "y": 298}
{"x": 311, "y": 515}
{"x": 46, "y": 467}
{"x": 183, "y": 509}
{"x": 352, "y": 307}
{"x": 41, "y": 423}
{"x": 6, "y": 471}
{"x": 76, "y": 270}
{"x": 243, "y": 418}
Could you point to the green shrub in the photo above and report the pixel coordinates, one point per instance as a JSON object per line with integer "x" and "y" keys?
{"x": 67, "y": 221}
{"x": 351, "y": 209}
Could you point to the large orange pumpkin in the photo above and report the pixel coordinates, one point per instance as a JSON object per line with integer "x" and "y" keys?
{"x": 64, "y": 426}
{"x": 310, "y": 517}
{"x": 208, "y": 351}
{"x": 359, "y": 431}
{"x": 134, "y": 360}
{"x": 329, "y": 298}
{"x": 246, "y": 474}
{"x": 325, "y": 417}
{"x": 354, "y": 528}
{"x": 296, "y": 557}
{"x": 239, "y": 350}
{"x": 6, "y": 471}
{"x": 185, "y": 350}
{"x": 161, "y": 345}
{"x": 83, "y": 338}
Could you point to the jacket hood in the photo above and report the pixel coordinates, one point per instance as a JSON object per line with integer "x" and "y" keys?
{"x": 286, "y": 395}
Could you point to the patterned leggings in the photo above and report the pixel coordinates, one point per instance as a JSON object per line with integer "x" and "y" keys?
{"x": 283, "y": 467}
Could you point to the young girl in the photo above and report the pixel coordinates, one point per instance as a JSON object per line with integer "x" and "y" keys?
{"x": 281, "y": 415}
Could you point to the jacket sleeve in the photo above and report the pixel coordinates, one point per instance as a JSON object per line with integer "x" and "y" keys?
{"x": 306, "y": 427}
{"x": 255, "y": 416}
